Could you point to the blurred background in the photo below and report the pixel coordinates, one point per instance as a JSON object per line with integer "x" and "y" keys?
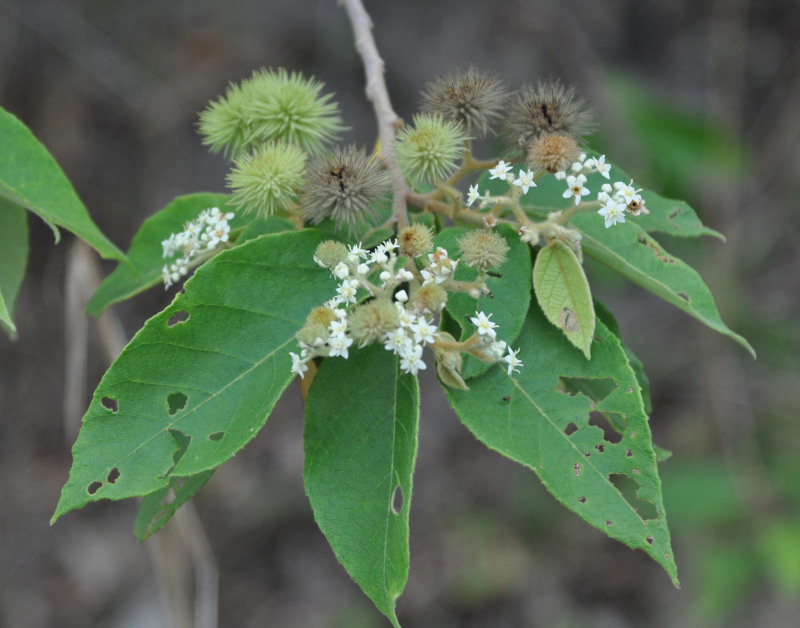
{"x": 697, "y": 100}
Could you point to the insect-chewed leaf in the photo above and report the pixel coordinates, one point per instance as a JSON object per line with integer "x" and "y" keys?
{"x": 200, "y": 379}
{"x": 629, "y": 250}
{"x": 564, "y": 295}
{"x": 361, "y": 444}
{"x": 530, "y": 418}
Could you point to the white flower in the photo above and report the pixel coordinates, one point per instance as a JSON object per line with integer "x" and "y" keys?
{"x": 411, "y": 361}
{"x": 339, "y": 326}
{"x": 167, "y": 277}
{"x": 406, "y": 318}
{"x": 575, "y": 188}
{"x": 473, "y": 194}
{"x": 299, "y": 365}
{"x": 489, "y": 221}
{"x": 513, "y": 361}
{"x": 338, "y": 346}
{"x": 423, "y": 331}
{"x": 356, "y": 253}
{"x": 396, "y": 340}
{"x": 525, "y": 181}
{"x": 484, "y": 325}
{"x": 500, "y": 170}
{"x": 626, "y": 193}
{"x": 347, "y": 290}
{"x": 602, "y": 167}
{"x": 341, "y": 271}
{"x": 613, "y": 212}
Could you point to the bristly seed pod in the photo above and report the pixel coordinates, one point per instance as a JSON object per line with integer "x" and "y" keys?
{"x": 371, "y": 321}
{"x": 547, "y": 108}
{"x": 429, "y": 150}
{"x": 470, "y": 97}
{"x": 266, "y": 179}
{"x": 415, "y": 240}
{"x": 553, "y": 152}
{"x": 483, "y": 249}
{"x": 343, "y": 185}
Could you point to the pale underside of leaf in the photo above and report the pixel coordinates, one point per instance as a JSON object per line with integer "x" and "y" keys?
{"x": 564, "y": 295}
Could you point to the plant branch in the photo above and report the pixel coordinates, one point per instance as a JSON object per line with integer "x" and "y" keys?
{"x": 378, "y": 95}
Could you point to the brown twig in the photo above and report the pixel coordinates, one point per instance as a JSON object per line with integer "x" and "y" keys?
{"x": 388, "y": 120}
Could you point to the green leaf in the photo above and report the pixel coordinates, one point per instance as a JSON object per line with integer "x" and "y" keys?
{"x": 510, "y": 292}
{"x": 564, "y": 295}
{"x": 529, "y": 419}
{"x": 13, "y": 259}
{"x": 157, "y": 508}
{"x": 610, "y": 321}
{"x": 629, "y": 250}
{"x": 187, "y": 393}
{"x": 146, "y": 253}
{"x": 361, "y": 444}
{"x": 31, "y": 178}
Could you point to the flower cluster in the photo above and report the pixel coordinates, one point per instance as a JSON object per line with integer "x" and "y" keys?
{"x": 404, "y": 323}
{"x": 199, "y": 236}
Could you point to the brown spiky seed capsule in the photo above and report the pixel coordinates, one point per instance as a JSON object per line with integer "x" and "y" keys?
{"x": 415, "y": 240}
{"x": 547, "y": 108}
{"x": 553, "y": 152}
{"x": 343, "y": 185}
{"x": 471, "y": 97}
{"x": 483, "y": 249}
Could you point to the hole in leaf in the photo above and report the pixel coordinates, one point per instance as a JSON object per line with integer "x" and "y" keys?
{"x": 182, "y": 444}
{"x": 578, "y": 467}
{"x": 609, "y": 522}
{"x": 595, "y": 389}
{"x": 109, "y": 403}
{"x": 176, "y": 401}
{"x": 587, "y": 453}
{"x": 93, "y": 487}
{"x": 215, "y": 436}
{"x": 650, "y": 540}
{"x": 674, "y": 214}
{"x": 113, "y": 475}
{"x": 581, "y": 500}
{"x": 610, "y": 434}
{"x": 178, "y": 317}
{"x": 627, "y": 487}
{"x": 685, "y": 297}
{"x": 570, "y": 429}
{"x": 506, "y": 399}
{"x": 629, "y": 454}
{"x": 600, "y": 448}
{"x": 397, "y": 500}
